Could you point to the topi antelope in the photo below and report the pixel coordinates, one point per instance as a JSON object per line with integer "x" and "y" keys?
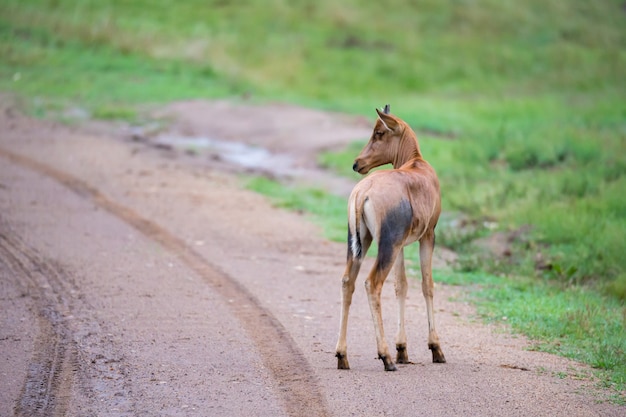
{"x": 393, "y": 207}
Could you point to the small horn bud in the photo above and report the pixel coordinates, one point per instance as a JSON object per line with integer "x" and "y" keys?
{"x": 387, "y": 108}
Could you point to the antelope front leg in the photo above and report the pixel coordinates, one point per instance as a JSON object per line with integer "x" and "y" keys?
{"x": 347, "y": 289}
{"x": 427, "y": 245}
{"x": 374, "y": 287}
{"x": 401, "y": 286}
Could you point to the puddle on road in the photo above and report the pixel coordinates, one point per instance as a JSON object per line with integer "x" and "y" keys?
{"x": 282, "y": 166}
{"x": 241, "y": 154}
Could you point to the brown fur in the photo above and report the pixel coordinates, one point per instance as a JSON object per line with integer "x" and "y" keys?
{"x": 394, "y": 207}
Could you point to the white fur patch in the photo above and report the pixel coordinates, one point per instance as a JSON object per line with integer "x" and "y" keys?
{"x": 355, "y": 246}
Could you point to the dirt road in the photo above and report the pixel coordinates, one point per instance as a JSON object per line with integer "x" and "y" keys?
{"x": 139, "y": 279}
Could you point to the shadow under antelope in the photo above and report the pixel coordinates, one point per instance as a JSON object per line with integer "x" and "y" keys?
{"x": 394, "y": 207}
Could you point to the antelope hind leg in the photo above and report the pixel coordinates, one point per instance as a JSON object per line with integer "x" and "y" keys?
{"x": 401, "y": 287}
{"x": 426, "y": 252}
{"x": 373, "y": 287}
{"x": 347, "y": 289}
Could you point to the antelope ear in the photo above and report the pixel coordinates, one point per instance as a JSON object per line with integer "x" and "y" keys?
{"x": 388, "y": 120}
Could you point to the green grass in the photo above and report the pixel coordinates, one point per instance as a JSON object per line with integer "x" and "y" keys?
{"x": 60, "y": 74}
{"x": 569, "y": 321}
{"x": 520, "y": 107}
{"x": 328, "y": 211}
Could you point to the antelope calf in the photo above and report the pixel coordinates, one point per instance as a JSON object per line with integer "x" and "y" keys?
{"x": 393, "y": 207}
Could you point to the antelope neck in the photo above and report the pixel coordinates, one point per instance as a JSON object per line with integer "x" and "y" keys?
{"x": 408, "y": 149}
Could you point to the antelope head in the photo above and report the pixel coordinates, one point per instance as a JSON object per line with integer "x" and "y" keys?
{"x": 383, "y": 145}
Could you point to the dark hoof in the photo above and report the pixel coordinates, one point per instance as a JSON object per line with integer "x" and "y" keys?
{"x": 389, "y": 365}
{"x": 437, "y": 354}
{"x": 401, "y": 355}
{"x": 342, "y": 361}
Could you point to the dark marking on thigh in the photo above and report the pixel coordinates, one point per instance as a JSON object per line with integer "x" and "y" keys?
{"x": 393, "y": 230}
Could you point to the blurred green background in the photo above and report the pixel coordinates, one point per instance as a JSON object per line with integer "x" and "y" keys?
{"x": 520, "y": 106}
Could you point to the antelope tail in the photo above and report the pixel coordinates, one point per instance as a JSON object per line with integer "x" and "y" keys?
{"x": 354, "y": 228}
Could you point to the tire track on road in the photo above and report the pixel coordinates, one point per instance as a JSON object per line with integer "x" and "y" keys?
{"x": 70, "y": 354}
{"x": 51, "y": 372}
{"x": 297, "y": 384}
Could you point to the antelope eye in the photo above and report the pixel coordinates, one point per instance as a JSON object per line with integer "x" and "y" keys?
{"x": 379, "y": 133}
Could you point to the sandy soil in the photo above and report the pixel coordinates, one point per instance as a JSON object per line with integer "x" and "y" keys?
{"x": 138, "y": 278}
